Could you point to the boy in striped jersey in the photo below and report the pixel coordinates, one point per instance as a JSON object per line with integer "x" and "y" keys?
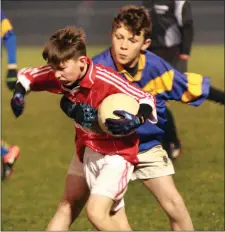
{"x": 71, "y": 73}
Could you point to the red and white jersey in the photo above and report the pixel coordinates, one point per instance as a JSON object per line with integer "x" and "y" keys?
{"x": 98, "y": 83}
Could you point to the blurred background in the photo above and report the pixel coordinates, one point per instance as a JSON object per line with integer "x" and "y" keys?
{"x": 46, "y": 136}
{"x": 34, "y": 21}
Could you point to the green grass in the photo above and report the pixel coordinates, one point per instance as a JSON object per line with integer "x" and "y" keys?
{"x": 46, "y": 138}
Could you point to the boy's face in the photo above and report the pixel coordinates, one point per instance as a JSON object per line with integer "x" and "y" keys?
{"x": 127, "y": 47}
{"x": 70, "y": 71}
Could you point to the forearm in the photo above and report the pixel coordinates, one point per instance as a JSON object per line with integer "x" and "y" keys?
{"x": 83, "y": 113}
{"x": 187, "y": 38}
{"x": 216, "y": 95}
{"x": 10, "y": 44}
{"x": 19, "y": 89}
{"x": 144, "y": 111}
{"x": 184, "y": 17}
{"x": 66, "y": 106}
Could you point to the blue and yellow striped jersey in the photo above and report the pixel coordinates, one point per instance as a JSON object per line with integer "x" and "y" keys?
{"x": 9, "y": 38}
{"x": 159, "y": 78}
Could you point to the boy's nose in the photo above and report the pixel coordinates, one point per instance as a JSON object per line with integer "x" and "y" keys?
{"x": 58, "y": 75}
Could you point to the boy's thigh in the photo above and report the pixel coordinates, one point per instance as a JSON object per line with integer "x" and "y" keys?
{"x": 76, "y": 189}
{"x": 114, "y": 176}
{"x": 108, "y": 176}
{"x": 153, "y": 163}
{"x": 76, "y": 167}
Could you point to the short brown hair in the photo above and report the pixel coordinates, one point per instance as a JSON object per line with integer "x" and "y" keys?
{"x": 65, "y": 44}
{"x": 135, "y": 18}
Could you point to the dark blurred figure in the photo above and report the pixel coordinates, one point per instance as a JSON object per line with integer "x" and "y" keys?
{"x": 172, "y": 31}
{"x": 172, "y": 36}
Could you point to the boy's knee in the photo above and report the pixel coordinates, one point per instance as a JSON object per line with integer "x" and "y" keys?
{"x": 176, "y": 200}
{"x": 174, "y": 204}
{"x": 94, "y": 214}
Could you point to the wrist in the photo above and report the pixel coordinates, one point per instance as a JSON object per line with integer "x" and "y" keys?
{"x": 12, "y": 66}
{"x": 141, "y": 119}
{"x": 18, "y": 99}
{"x": 19, "y": 89}
{"x": 184, "y": 56}
{"x": 145, "y": 111}
{"x": 216, "y": 95}
{"x": 18, "y": 95}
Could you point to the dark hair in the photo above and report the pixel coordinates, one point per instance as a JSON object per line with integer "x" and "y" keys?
{"x": 135, "y": 19}
{"x": 65, "y": 44}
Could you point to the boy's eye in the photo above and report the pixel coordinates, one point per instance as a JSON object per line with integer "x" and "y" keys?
{"x": 132, "y": 40}
{"x": 118, "y": 37}
{"x": 60, "y": 68}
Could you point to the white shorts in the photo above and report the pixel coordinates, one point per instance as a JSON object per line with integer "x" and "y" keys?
{"x": 153, "y": 163}
{"x": 107, "y": 175}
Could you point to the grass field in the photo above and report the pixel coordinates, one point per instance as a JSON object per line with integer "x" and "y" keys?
{"x": 45, "y": 135}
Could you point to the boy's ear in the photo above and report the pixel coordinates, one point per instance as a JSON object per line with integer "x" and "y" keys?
{"x": 146, "y": 44}
{"x": 83, "y": 59}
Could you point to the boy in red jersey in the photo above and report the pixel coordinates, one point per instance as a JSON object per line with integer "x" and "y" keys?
{"x": 71, "y": 73}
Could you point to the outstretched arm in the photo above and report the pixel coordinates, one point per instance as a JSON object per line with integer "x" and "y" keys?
{"x": 189, "y": 88}
{"x": 216, "y": 95}
{"x": 32, "y": 79}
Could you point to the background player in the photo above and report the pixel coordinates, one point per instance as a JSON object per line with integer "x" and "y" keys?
{"x": 9, "y": 154}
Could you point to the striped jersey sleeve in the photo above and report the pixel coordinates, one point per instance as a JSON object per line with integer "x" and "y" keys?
{"x": 38, "y": 79}
{"x": 170, "y": 84}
